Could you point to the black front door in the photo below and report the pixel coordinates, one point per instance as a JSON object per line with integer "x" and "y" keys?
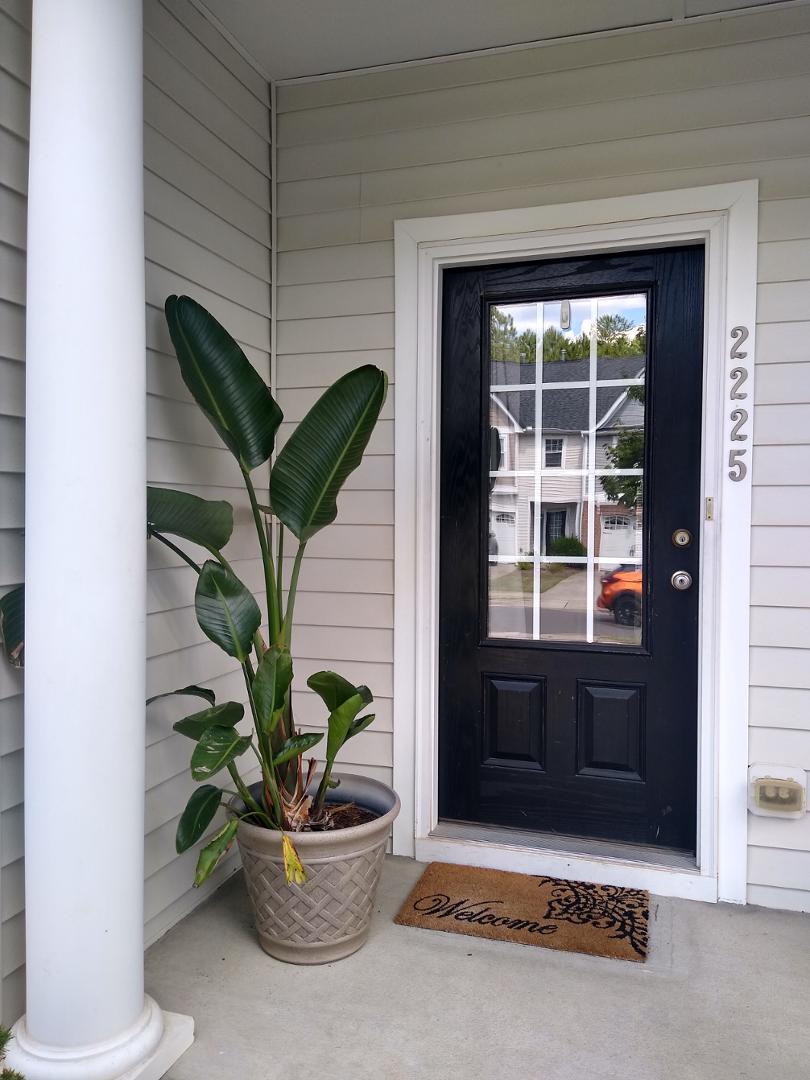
{"x": 570, "y": 501}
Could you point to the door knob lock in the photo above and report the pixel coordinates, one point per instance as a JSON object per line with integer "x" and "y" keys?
{"x": 681, "y": 538}
{"x": 681, "y": 580}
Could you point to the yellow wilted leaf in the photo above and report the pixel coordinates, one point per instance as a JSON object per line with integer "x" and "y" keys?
{"x": 293, "y": 869}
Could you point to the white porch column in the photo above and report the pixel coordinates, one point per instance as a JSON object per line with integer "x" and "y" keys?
{"x": 87, "y": 1017}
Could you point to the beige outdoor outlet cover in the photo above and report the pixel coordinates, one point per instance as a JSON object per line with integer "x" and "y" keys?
{"x": 777, "y": 791}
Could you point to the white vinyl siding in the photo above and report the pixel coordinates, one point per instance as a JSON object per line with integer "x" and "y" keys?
{"x": 207, "y": 229}
{"x": 15, "y": 52}
{"x": 669, "y": 107}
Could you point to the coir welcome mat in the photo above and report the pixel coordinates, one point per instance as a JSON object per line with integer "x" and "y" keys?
{"x": 602, "y": 920}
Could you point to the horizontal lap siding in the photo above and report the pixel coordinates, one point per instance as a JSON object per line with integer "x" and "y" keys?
{"x": 671, "y": 107}
{"x": 15, "y": 53}
{"x": 207, "y": 231}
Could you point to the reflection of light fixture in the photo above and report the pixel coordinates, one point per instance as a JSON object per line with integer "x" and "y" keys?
{"x": 565, "y": 315}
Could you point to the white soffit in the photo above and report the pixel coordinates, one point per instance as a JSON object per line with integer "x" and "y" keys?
{"x": 292, "y": 39}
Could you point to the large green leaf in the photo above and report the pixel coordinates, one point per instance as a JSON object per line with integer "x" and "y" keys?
{"x": 213, "y": 852}
{"x": 326, "y": 446}
{"x": 194, "y": 726}
{"x": 205, "y": 522}
{"x": 12, "y": 625}
{"x": 218, "y": 746}
{"x": 197, "y": 816}
{"x": 191, "y": 691}
{"x": 226, "y": 610}
{"x": 297, "y": 745}
{"x": 340, "y": 721}
{"x": 223, "y": 382}
{"x": 270, "y": 686}
{"x": 331, "y": 688}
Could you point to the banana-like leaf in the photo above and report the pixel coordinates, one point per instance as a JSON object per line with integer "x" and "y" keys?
{"x": 191, "y": 691}
{"x": 331, "y": 688}
{"x": 218, "y": 746}
{"x": 226, "y": 610}
{"x": 12, "y": 625}
{"x": 213, "y": 851}
{"x": 326, "y": 446}
{"x": 340, "y": 721}
{"x": 194, "y": 726}
{"x": 206, "y": 522}
{"x": 270, "y": 686}
{"x": 358, "y": 725}
{"x": 298, "y": 744}
{"x": 223, "y": 382}
{"x": 197, "y": 816}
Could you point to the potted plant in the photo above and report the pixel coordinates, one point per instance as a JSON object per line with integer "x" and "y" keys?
{"x": 312, "y": 843}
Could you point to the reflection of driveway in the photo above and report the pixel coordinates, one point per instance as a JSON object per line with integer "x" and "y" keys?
{"x": 566, "y": 594}
{"x": 563, "y": 615}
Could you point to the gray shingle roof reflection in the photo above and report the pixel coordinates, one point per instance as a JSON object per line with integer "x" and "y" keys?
{"x": 564, "y": 409}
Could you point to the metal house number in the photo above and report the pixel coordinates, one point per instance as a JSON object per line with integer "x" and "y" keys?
{"x": 737, "y": 468}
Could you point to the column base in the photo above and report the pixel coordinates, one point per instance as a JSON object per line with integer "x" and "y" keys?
{"x": 145, "y": 1052}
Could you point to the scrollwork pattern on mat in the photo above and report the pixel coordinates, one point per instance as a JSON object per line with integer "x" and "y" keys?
{"x": 625, "y": 912}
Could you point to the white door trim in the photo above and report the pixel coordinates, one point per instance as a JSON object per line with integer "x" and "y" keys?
{"x": 724, "y": 218}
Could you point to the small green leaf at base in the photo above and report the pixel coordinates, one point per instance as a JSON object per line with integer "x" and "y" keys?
{"x": 218, "y": 746}
{"x": 270, "y": 686}
{"x": 298, "y": 744}
{"x": 331, "y": 688}
{"x": 213, "y": 852}
{"x": 226, "y": 715}
{"x": 358, "y": 725}
{"x": 197, "y": 816}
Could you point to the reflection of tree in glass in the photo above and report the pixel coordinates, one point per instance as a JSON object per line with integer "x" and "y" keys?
{"x": 556, "y": 346}
{"x": 616, "y": 335}
{"x": 628, "y": 453}
{"x": 506, "y": 344}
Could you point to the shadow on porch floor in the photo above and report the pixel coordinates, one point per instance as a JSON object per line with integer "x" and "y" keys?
{"x": 722, "y": 996}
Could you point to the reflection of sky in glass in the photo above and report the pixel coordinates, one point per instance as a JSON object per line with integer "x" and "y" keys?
{"x": 633, "y": 308}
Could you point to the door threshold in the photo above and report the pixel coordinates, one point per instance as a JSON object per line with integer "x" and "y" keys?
{"x": 660, "y": 871}
{"x": 645, "y": 855}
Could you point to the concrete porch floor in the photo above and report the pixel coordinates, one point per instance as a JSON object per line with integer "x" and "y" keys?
{"x": 723, "y": 996}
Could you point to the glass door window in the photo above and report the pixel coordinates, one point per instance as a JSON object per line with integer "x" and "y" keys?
{"x": 567, "y": 379}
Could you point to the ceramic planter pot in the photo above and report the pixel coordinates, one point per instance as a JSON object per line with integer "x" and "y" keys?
{"x": 329, "y": 916}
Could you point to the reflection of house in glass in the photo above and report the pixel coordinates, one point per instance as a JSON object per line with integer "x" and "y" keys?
{"x": 560, "y": 449}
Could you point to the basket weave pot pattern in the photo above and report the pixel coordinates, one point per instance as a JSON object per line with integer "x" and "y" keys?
{"x": 329, "y": 916}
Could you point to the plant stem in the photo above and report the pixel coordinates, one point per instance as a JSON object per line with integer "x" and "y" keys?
{"x": 286, "y": 630}
{"x": 265, "y": 756}
{"x": 323, "y": 787}
{"x": 177, "y": 551}
{"x": 280, "y": 572}
{"x": 267, "y": 559}
{"x": 242, "y": 788}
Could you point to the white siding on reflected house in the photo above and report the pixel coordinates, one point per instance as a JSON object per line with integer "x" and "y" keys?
{"x": 207, "y": 230}
{"x": 675, "y": 106}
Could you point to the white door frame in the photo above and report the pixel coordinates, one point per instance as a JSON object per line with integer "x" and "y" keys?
{"x": 724, "y": 218}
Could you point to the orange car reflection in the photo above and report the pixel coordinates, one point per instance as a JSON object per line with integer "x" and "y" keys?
{"x": 621, "y": 595}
